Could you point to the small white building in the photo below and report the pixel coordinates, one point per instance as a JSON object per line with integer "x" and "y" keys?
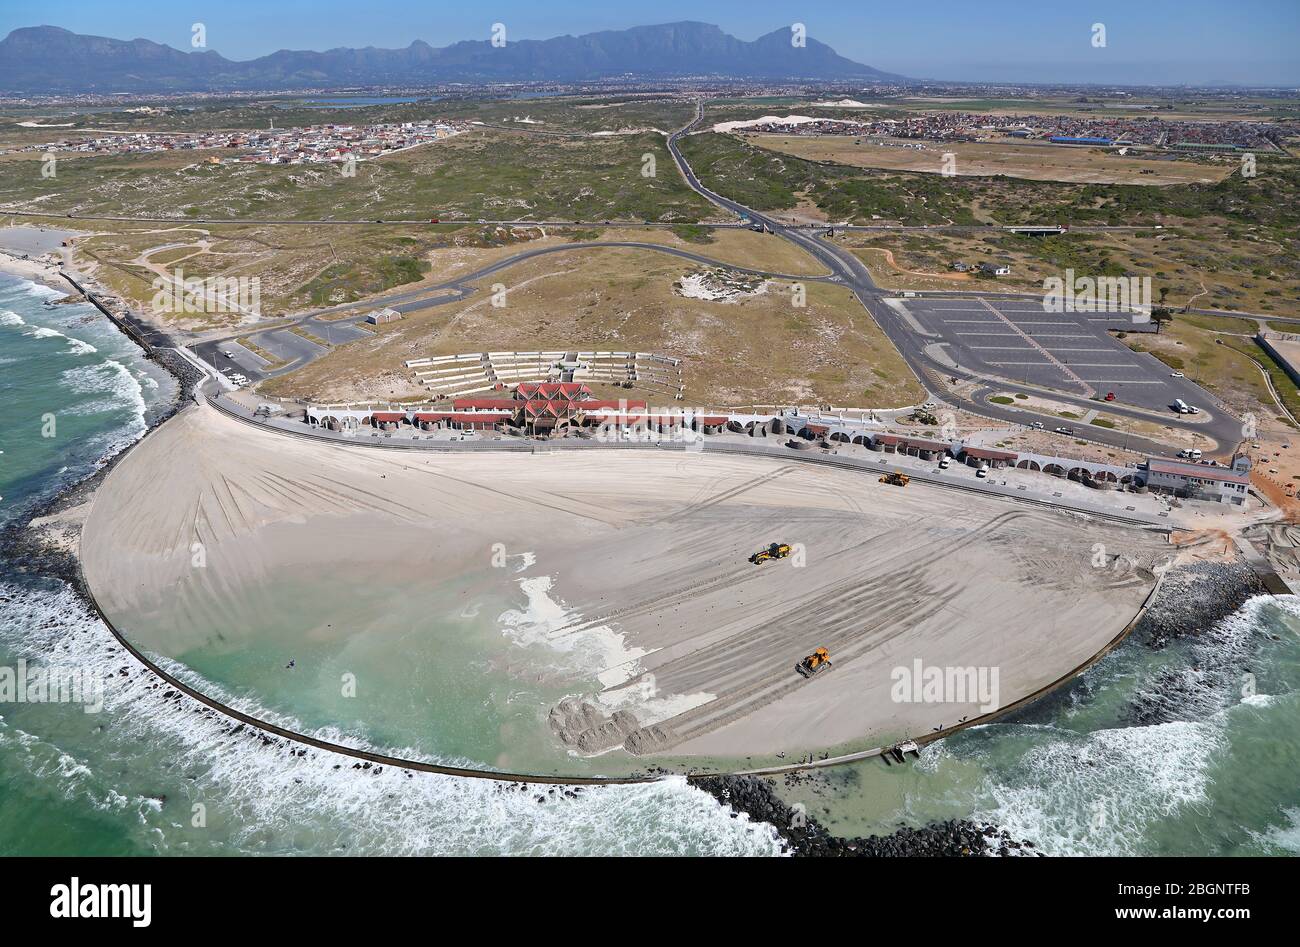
{"x": 1202, "y": 481}
{"x": 380, "y": 316}
{"x": 995, "y": 269}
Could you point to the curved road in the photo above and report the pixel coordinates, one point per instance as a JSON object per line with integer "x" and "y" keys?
{"x": 843, "y": 267}
{"x": 847, "y": 269}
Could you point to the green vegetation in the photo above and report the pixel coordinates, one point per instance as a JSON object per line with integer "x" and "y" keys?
{"x": 350, "y": 281}
{"x": 1002, "y": 399}
{"x": 484, "y": 173}
{"x": 1102, "y": 422}
{"x": 766, "y": 180}
{"x": 694, "y": 234}
{"x": 1282, "y": 382}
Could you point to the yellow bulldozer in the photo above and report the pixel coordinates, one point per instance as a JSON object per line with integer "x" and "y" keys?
{"x": 815, "y": 663}
{"x": 896, "y": 479}
{"x": 774, "y": 551}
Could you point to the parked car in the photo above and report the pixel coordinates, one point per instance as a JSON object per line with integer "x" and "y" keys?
{"x": 1177, "y": 375}
{"x": 982, "y": 472}
{"x": 1038, "y": 425}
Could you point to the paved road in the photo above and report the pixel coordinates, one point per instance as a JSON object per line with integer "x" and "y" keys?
{"x": 297, "y": 351}
{"x": 526, "y": 222}
{"x": 850, "y": 271}
{"x": 843, "y": 266}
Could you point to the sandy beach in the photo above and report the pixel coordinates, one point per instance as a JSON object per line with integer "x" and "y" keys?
{"x": 637, "y": 567}
{"x": 33, "y": 253}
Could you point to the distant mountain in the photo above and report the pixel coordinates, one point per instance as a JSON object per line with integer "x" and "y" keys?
{"x": 47, "y": 59}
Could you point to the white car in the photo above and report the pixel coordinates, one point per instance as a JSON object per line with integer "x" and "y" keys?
{"x": 982, "y": 472}
{"x": 1177, "y": 375}
{"x": 944, "y": 463}
{"x": 228, "y": 354}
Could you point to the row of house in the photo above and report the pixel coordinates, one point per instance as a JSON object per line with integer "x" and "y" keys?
{"x": 1207, "y": 480}
{"x": 544, "y": 408}
{"x": 554, "y": 408}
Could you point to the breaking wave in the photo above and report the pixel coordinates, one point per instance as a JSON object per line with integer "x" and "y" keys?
{"x": 264, "y": 795}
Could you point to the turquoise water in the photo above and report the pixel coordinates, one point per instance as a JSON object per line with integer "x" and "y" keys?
{"x": 149, "y": 775}
{"x": 1215, "y": 773}
{"x": 145, "y": 777}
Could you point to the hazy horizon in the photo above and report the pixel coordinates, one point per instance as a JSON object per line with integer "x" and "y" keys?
{"x": 1161, "y": 42}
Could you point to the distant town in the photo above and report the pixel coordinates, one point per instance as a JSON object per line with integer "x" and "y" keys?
{"x": 1149, "y": 132}
{"x": 315, "y": 144}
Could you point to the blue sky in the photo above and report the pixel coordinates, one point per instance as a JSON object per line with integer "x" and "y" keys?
{"x": 1148, "y": 41}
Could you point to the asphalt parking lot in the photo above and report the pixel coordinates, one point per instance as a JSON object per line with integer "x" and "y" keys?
{"x": 1067, "y": 351}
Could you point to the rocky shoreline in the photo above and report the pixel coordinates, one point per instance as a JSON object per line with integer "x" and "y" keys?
{"x": 1191, "y": 607}
{"x": 30, "y": 547}
{"x": 804, "y": 837}
{"x": 1194, "y": 597}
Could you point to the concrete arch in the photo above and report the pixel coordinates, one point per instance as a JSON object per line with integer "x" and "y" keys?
{"x": 1056, "y": 470}
{"x": 1029, "y": 465}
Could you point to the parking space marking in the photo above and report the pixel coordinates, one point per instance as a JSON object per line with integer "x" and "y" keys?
{"x": 1064, "y": 369}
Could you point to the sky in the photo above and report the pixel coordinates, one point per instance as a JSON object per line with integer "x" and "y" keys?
{"x": 1146, "y": 41}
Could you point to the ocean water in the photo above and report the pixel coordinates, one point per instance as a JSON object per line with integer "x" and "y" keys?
{"x": 1215, "y": 774}
{"x": 143, "y": 776}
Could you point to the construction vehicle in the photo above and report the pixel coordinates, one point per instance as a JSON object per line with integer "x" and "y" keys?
{"x": 774, "y": 551}
{"x": 815, "y": 663}
{"x": 896, "y": 479}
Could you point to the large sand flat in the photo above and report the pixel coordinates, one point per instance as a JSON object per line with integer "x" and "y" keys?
{"x": 649, "y": 545}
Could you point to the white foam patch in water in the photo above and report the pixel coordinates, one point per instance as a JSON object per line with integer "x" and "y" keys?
{"x": 265, "y": 798}
{"x": 545, "y": 621}
{"x": 1097, "y": 793}
{"x": 1285, "y": 837}
{"x": 118, "y": 382}
{"x": 75, "y": 346}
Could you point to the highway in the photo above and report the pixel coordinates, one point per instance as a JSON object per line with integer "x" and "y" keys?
{"x": 850, "y": 271}
{"x": 843, "y": 267}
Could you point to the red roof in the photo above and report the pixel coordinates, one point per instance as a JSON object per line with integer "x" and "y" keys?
{"x": 481, "y": 404}
{"x": 569, "y": 390}
{"x": 712, "y": 419}
{"x": 388, "y": 417}
{"x": 594, "y": 405}
{"x": 1176, "y": 468}
{"x": 422, "y": 417}
{"x": 915, "y": 442}
{"x": 982, "y": 453}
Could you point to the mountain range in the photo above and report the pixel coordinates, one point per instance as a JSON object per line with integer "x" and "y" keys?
{"x": 52, "y": 60}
